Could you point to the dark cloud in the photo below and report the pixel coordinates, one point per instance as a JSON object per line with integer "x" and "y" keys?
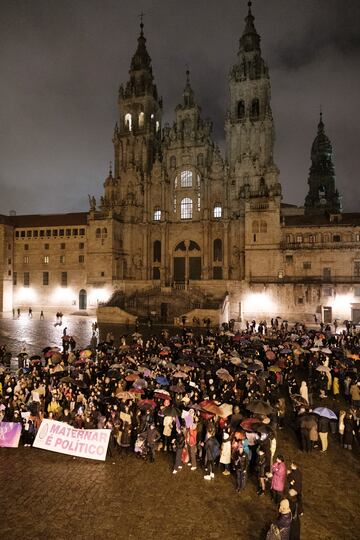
{"x": 62, "y": 62}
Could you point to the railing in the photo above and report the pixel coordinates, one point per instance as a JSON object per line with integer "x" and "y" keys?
{"x": 316, "y": 245}
{"x": 306, "y": 279}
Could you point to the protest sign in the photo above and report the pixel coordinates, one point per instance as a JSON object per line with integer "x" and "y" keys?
{"x": 10, "y": 434}
{"x": 60, "y": 437}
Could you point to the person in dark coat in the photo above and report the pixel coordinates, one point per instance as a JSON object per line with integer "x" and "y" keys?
{"x": 212, "y": 452}
{"x": 260, "y": 466}
{"x": 152, "y": 437}
{"x": 241, "y": 463}
{"x": 349, "y": 431}
{"x": 284, "y": 519}
{"x": 294, "y": 477}
{"x": 324, "y": 426}
{"x": 295, "y": 521}
{"x": 180, "y": 444}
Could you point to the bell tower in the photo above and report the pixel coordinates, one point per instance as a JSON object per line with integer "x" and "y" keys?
{"x": 323, "y": 195}
{"x": 249, "y": 127}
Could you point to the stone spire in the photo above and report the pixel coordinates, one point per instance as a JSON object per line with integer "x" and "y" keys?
{"x": 188, "y": 93}
{"x": 141, "y": 59}
{"x": 250, "y": 39}
{"x": 323, "y": 195}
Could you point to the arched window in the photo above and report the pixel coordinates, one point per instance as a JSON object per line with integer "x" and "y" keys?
{"x": 172, "y": 162}
{"x": 186, "y": 178}
{"x": 128, "y": 121}
{"x": 255, "y": 108}
{"x": 141, "y": 119}
{"x": 186, "y": 208}
{"x": 98, "y": 233}
{"x": 255, "y": 226}
{"x": 104, "y": 232}
{"x": 263, "y": 226}
{"x": 217, "y": 250}
{"x": 241, "y": 109}
{"x": 157, "y": 214}
{"x": 193, "y": 246}
{"x": 217, "y": 210}
{"x": 200, "y": 160}
{"x": 181, "y": 246}
{"x": 157, "y": 251}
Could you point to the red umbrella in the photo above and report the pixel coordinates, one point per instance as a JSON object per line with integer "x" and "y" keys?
{"x": 211, "y": 407}
{"x": 270, "y": 355}
{"x": 248, "y": 423}
{"x": 136, "y": 391}
{"x": 132, "y": 377}
{"x": 146, "y": 403}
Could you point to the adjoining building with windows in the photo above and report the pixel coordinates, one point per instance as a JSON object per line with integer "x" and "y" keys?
{"x": 182, "y": 229}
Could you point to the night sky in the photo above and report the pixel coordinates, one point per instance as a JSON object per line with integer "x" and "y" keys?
{"x": 62, "y": 61}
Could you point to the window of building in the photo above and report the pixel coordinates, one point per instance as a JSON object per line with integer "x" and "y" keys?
{"x": 26, "y": 247}
{"x": 172, "y": 162}
{"x": 75, "y": 232}
{"x": 217, "y": 211}
{"x": 46, "y": 246}
{"x": 68, "y": 232}
{"x": 128, "y": 121}
{"x": 22, "y": 234}
{"x": 198, "y": 193}
{"x": 28, "y": 234}
{"x": 46, "y": 259}
{"x": 356, "y": 268}
{"x": 42, "y": 234}
{"x": 306, "y": 265}
{"x": 357, "y": 291}
{"x": 186, "y": 208}
{"x": 181, "y": 246}
{"x": 82, "y": 232}
{"x": 102, "y": 274}
{"x": 9, "y": 261}
{"x": 157, "y": 251}
{"x": 26, "y": 259}
{"x": 98, "y": 233}
{"x": 326, "y": 238}
{"x": 186, "y": 179}
{"x": 17, "y": 234}
{"x": 62, "y": 245}
{"x": 300, "y": 300}
{"x": 299, "y": 238}
{"x": 48, "y": 233}
{"x": 255, "y": 226}
{"x": 357, "y": 237}
{"x": 104, "y": 232}
{"x": 263, "y": 226}
{"x": 81, "y": 245}
{"x": 45, "y": 278}
{"x": 81, "y": 258}
{"x": 26, "y": 279}
{"x": 289, "y": 259}
{"x": 61, "y": 232}
{"x": 312, "y": 238}
{"x": 327, "y": 274}
{"x": 64, "y": 279}
{"x": 157, "y": 214}
{"x": 157, "y": 126}
{"x": 336, "y": 238}
{"x": 141, "y": 119}
{"x": 35, "y": 234}
{"x": 217, "y": 272}
{"x": 55, "y": 232}
{"x": 218, "y": 250}
{"x": 175, "y": 203}
{"x": 327, "y": 291}
{"x": 200, "y": 160}
{"x": 62, "y": 259}
{"x": 15, "y": 278}
{"x": 156, "y": 272}
{"x": 255, "y": 108}
{"x": 241, "y": 109}
{"x": 9, "y": 273}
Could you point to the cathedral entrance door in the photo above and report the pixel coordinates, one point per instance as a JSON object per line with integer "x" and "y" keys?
{"x": 194, "y": 267}
{"x": 82, "y": 299}
{"x": 327, "y": 314}
{"x": 179, "y": 269}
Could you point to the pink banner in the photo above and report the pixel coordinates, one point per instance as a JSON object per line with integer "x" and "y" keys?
{"x": 60, "y": 437}
{"x": 10, "y": 434}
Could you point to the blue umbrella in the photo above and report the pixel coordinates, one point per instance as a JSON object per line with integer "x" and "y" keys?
{"x": 162, "y": 380}
{"x": 324, "y": 411}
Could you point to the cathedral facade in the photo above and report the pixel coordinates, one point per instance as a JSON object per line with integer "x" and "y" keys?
{"x": 182, "y": 230}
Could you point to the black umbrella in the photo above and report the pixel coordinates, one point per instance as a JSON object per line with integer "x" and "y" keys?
{"x": 259, "y": 406}
{"x": 171, "y": 411}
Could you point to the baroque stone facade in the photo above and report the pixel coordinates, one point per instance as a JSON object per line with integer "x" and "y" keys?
{"x": 180, "y": 229}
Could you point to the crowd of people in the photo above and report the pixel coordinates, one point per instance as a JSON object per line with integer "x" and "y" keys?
{"x": 213, "y": 400}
